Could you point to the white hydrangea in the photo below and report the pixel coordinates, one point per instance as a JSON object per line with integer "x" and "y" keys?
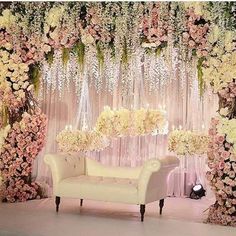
{"x": 228, "y": 127}
{"x": 7, "y": 20}
{"x": 54, "y": 16}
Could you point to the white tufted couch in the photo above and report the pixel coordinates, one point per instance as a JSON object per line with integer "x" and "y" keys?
{"x": 84, "y": 178}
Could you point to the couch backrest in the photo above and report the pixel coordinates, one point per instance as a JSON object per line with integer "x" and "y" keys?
{"x": 94, "y": 168}
{"x": 64, "y": 165}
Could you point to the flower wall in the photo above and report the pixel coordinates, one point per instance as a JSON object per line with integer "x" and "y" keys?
{"x": 220, "y": 73}
{"x": 109, "y": 44}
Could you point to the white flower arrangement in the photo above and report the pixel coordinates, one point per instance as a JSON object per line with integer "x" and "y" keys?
{"x": 186, "y": 142}
{"x": 220, "y": 71}
{"x": 227, "y": 128}
{"x": 13, "y": 89}
{"x": 78, "y": 140}
{"x": 220, "y": 68}
{"x": 7, "y": 20}
{"x": 54, "y": 16}
{"x": 124, "y": 122}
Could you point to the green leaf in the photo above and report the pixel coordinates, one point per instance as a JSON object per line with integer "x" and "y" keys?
{"x": 79, "y": 49}
{"x": 35, "y": 75}
{"x": 201, "y": 83}
{"x": 49, "y": 57}
{"x": 158, "y": 51}
{"x": 124, "y": 57}
{"x": 65, "y": 56}
{"x": 100, "y": 55}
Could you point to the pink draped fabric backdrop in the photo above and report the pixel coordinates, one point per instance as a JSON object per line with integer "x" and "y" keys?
{"x": 179, "y": 96}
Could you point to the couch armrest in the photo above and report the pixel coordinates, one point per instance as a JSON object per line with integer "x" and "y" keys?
{"x": 147, "y": 177}
{"x": 64, "y": 165}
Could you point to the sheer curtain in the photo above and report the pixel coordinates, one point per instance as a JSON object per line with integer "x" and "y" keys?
{"x": 180, "y": 97}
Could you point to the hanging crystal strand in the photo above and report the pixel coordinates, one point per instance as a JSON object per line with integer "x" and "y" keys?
{"x": 41, "y": 84}
{"x": 146, "y": 68}
{"x": 73, "y": 68}
{"x": 142, "y": 96}
{"x": 164, "y": 73}
{"x": 119, "y": 33}
{"x": 116, "y": 65}
{"x": 125, "y": 79}
{"x": 183, "y": 78}
{"x": 92, "y": 68}
{"x": 67, "y": 70}
{"x": 78, "y": 86}
{"x": 53, "y": 74}
{"x": 154, "y": 72}
{"x": 190, "y": 70}
{"x": 74, "y": 75}
{"x": 84, "y": 111}
{"x": 59, "y": 72}
{"x": 110, "y": 75}
{"x": 174, "y": 63}
{"x": 194, "y": 84}
{"x": 170, "y": 61}
{"x": 45, "y": 75}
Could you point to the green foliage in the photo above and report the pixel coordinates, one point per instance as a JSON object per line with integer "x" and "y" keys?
{"x": 49, "y": 57}
{"x": 35, "y": 75}
{"x": 124, "y": 57}
{"x": 100, "y": 55}
{"x": 201, "y": 83}
{"x": 65, "y": 56}
{"x": 79, "y": 50}
{"x": 223, "y": 13}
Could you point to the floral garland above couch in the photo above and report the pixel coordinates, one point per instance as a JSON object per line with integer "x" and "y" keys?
{"x": 124, "y": 122}
{"x": 113, "y": 124}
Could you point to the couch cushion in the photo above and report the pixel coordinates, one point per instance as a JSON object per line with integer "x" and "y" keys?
{"x": 99, "y": 188}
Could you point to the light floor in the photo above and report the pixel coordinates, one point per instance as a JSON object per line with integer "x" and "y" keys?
{"x": 181, "y": 217}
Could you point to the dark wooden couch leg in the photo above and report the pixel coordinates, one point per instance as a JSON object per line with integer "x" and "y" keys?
{"x": 81, "y": 202}
{"x": 57, "y": 201}
{"x": 142, "y": 211}
{"x": 161, "y": 204}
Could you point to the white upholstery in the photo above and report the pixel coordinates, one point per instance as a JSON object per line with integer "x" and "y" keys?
{"x": 80, "y": 177}
{"x": 99, "y": 188}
